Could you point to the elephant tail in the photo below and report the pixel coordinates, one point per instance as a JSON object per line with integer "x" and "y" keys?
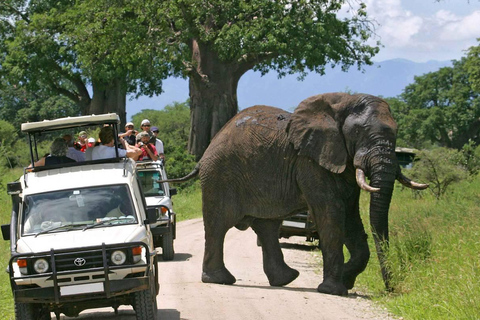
{"x": 189, "y": 176}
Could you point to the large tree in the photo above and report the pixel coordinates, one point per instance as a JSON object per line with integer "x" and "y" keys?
{"x": 215, "y": 42}
{"x": 45, "y": 48}
{"x": 129, "y": 46}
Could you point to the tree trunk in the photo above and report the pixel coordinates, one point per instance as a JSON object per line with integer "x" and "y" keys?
{"x": 109, "y": 98}
{"x": 213, "y": 97}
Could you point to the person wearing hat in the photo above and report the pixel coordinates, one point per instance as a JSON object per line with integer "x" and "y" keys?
{"x": 145, "y": 126}
{"x": 130, "y": 134}
{"x": 81, "y": 144}
{"x": 158, "y": 143}
{"x": 149, "y": 152}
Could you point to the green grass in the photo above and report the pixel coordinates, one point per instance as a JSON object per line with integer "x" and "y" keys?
{"x": 6, "y": 298}
{"x": 434, "y": 254}
{"x": 188, "y": 203}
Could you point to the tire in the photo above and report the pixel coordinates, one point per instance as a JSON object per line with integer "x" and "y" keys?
{"x": 30, "y": 311}
{"x": 145, "y": 303}
{"x": 168, "y": 252}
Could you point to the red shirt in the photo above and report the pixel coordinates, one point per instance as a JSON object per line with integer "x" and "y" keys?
{"x": 144, "y": 155}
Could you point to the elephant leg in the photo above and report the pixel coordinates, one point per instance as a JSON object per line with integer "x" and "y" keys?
{"x": 274, "y": 266}
{"x": 357, "y": 245}
{"x": 330, "y": 224}
{"x": 214, "y": 270}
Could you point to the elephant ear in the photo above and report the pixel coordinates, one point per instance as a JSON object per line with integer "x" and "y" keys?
{"x": 315, "y": 133}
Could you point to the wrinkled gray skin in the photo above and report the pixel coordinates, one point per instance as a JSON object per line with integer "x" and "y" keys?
{"x": 267, "y": 164}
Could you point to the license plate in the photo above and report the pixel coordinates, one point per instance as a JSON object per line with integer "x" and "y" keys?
{"x": 81, "y": 289}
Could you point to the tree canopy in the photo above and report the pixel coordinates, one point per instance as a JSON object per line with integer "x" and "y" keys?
{"x": 439, "y": 108}
{"x": 121, "y": 47}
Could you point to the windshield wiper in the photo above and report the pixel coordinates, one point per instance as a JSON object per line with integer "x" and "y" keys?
{"x": 64, "y": 226}
{"x": 106, "y": 221}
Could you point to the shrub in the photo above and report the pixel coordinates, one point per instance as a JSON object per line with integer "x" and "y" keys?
{"x": 440, "y": 168}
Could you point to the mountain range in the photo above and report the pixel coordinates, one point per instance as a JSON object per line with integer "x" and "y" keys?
{"x": 387, "y": 79}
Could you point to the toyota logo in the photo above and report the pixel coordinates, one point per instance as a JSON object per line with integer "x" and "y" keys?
{"x": 79, "y": 262}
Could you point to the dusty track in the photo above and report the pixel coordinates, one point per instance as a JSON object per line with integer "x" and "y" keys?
{"x": 184, "y": 296}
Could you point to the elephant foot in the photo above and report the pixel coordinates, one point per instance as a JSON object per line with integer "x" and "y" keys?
{"x": 328, "y": 287}
{"x": 222, "y": 276}
{"x": 283, "y": 277}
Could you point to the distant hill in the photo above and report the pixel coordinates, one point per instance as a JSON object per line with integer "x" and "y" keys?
{"x": 387, "y": 78}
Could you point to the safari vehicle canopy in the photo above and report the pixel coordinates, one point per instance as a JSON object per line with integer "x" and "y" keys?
{"x": 38, "y": 130}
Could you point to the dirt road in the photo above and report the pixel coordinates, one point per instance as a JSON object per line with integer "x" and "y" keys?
{"x": 184, "y": 296}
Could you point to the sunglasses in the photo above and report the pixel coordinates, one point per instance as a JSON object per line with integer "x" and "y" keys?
{"x": 146, "y": 125}
{"x": 129, "y": 126}
{"x": 155, "y": 131}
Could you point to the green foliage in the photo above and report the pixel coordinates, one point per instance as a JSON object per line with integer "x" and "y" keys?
{"x": 469, "y": 158}
{"x": 434, "y": 254}
{"x": 6, "y": 298}
{"x": 439, "y": 168}
{"x": 173, "y": 123}
{"x": 440, "y": 108}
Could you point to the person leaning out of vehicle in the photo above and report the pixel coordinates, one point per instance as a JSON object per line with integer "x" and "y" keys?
{"x": 149, "y": 152}
{"x": 130, "y": 134}
{"x": 106, "y": 149}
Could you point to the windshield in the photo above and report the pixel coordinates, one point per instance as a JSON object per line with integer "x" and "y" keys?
{"x": 77, "y": 207}
{"x": 150, "y": 186}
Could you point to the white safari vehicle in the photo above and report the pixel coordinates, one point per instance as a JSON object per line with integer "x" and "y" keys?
{"x": 80, "y": 232}
{"x": 158, "y": 195}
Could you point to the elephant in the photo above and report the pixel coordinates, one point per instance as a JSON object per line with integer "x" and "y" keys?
{"x": 266, "y": 164}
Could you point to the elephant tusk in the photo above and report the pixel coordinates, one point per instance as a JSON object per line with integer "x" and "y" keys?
{"x": 362, "y": 183}
{"x": 411, "y": 184}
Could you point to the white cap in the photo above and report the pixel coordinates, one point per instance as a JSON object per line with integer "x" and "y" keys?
{"x": 91, "y": 140}
{"x": 129, "y": 124}
{"x": 145, "y": 121}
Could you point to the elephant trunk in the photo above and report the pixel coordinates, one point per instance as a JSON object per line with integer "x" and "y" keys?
{"x": 382, "y": 173}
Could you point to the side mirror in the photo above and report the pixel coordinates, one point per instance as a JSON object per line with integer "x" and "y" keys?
{"x": 173, "y": 191}
{"x": 6, "y": 231}
{"x": 152, "y": 215}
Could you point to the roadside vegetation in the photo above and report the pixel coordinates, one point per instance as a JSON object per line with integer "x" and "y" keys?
{"x": 434, "y": 254}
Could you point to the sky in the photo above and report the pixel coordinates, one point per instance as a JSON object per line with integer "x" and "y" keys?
{"x": 416, "y": 30}
{"x": 423, "y": 30}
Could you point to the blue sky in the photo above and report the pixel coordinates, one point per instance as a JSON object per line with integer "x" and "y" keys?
{"x": 416, "y": 30}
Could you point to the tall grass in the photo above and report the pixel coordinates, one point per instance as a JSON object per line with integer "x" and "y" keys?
{"x": 434, "y": 254}
{"x": 6, "y": 298}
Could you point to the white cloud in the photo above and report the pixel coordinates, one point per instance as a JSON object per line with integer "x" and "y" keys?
{"x": 426, "y": 32}
{"x": 460, "y": 28}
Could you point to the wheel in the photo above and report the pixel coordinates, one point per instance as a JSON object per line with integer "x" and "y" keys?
{"x": 145, "y": 303}
{"x": 30, "y": 311}
{"x": 168, "y": 251}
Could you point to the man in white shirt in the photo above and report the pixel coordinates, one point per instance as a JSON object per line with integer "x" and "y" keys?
{"x": 158, "y": 143}
{"x": 106, "y": 149}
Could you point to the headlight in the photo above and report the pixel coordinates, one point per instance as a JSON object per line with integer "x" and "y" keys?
{"x": 41, "y": 266}
{"x": 118, "y": 257}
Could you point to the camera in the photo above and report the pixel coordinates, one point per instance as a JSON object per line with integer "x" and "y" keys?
{"x": 140, "y": 144}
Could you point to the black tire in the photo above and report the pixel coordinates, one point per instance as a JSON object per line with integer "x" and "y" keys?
{"x": 145, "y": 303}
{"x": 168, "y": 252}
{"x": 30, "y": 311}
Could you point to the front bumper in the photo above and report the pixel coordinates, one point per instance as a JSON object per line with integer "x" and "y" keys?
{"x": 65, "y": 283}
